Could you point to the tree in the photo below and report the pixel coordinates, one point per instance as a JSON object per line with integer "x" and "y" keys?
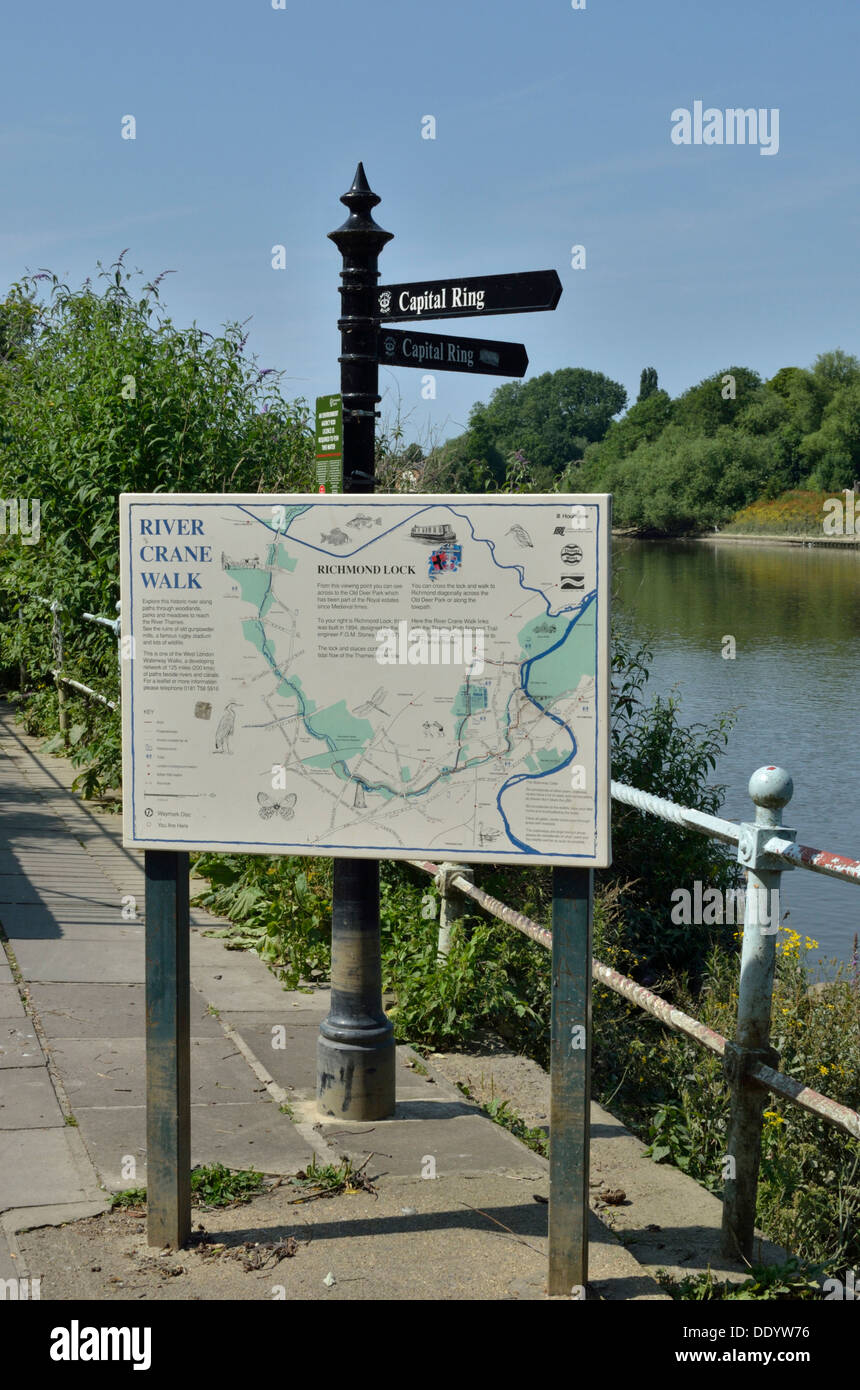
{"x": 716, "y": 400}
{"x": 832, "y": 453}
{"x": 643, "y": 423}
{"x": 803, "y": 394}
{"x": 647, "y": 383}
{"x": 834, "y": 369}
{"x": 18, "y": 315}
{"x": 549, "y": 417}
{"x": 106, "y": 395}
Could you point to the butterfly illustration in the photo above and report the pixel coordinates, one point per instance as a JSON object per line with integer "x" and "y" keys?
{"x": 268, "y": 807}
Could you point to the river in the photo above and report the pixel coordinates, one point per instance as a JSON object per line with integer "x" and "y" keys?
{"x": 794, "y": 614}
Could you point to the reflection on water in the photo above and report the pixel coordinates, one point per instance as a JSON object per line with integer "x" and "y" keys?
{"x": 795, "y": 684}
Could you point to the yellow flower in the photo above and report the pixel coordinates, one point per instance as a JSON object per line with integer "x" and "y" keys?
{"x": 824, "y": 1070}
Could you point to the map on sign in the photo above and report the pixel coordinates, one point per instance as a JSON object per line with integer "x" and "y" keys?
{"x": 384, "y": 676}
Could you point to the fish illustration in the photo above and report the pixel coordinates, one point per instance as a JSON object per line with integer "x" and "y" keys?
{"x": 361, "y": 520}
{"x": 335, "y": 537}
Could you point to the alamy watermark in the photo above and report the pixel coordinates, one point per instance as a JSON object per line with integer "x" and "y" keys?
{"x": 842, "y": 518}
{"x": 734, "y": 126}
{"x": 435, "y": 646}
{"x": 708, "y": 907}
{"x": 20, "y": 516}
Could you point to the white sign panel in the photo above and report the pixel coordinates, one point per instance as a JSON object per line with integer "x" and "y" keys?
{"x": 394, "y": 677}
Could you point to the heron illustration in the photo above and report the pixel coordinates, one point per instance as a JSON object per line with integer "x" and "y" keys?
{"x": 226, "y": 725}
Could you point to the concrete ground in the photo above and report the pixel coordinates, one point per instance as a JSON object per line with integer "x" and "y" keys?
{"x": 72, "y": 1117}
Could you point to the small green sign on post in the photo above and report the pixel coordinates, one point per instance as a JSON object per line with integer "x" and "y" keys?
{"x": 329, "y": 443}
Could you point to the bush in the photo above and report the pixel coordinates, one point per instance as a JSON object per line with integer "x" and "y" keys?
{"x": 102, "y": 394}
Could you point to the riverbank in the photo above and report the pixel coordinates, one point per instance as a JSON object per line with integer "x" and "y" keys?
{"x": 745, "y": 538}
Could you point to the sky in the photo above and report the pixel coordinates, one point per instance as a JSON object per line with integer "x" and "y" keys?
{"x": 553, "y": 129}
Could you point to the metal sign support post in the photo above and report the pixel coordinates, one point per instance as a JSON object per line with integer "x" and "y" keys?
{"x": 168, "y": 1049}
{"x": 570, "y": 1081}
{"x": 355, "y": 1051}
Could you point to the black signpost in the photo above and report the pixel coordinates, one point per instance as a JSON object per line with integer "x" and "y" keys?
{"x": 435, "y": 352}
{"x": 355, "y": 1078}
{"x": 355, "y": 1050}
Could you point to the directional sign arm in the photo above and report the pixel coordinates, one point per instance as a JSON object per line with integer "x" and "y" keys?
{"x": 436, "y": 352}
{"x": 474, "y": 296}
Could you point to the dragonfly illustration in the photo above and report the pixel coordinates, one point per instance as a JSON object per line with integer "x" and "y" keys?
{"x": 269, "y": 808}
{"x": 373, "y": 703}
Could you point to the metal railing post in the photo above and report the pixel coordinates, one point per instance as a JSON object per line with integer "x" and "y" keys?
{"x": 452, "y": 905}
{"x": 57, "y": 644}
{"x": 21, "y": 672}
{"x": 771, "y": 789}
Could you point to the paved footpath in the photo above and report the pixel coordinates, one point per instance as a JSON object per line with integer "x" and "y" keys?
{"x": 72, "y": 1117}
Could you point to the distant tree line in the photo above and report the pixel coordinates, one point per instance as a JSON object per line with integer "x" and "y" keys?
{"x": 674, "y": 466}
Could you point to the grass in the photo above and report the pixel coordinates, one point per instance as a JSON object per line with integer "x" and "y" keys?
{"x": 212, "y": 1185}
{"x": 332, "y": 1179}
{"x": 796, "y": 1279}
{"x": 500, "y": 1112}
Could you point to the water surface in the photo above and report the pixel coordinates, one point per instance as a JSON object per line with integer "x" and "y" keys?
{"x": 794, "y": 613}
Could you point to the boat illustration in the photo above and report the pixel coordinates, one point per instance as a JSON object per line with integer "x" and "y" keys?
{"x": 439, "y": 534}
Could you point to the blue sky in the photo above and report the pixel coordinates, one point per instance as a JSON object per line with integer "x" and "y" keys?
{"x": 552, "y": 129}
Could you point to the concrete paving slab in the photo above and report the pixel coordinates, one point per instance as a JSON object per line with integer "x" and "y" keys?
{"x": 112, "y": 1071}
{"x": 41, "y": 1167}
{"x": 6, "y": 976}
{"x": 17, "y": 888}
{"x": 74, "y": 906}
{"x": 10, "y": 1002}
{"x": 294, "y": 1065}
{"x": 236, "y": 983}
{"x": 106, "y": 1010}
{"x": 249, "y": 1135}
{"x": 10, "y": 1267}
{"x": 68, "y": 856}
{"x": 457, "y": 1143}
{"x": 28, "y": 1100}
{"x": 115, "y": 962}
{"x": 19, "y": 1046}
{"x": 38, "y": 924}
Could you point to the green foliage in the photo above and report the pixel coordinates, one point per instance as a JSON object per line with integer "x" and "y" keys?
{"x": 672, "y": 1093}
{"x": 325, "y": 1177}
{"x": 281, "y": 907}
{"x": 796, "y": 1279}
{"x": 131, "y": 1199}
{"x": 103, "y": 394}
{"x": 500, "y": 1113}
{"x": 716, "y": 401}
{"x": 483, "y": 982}
{"x": 682, "y": 466}
{"x": 647, "y": 384}
{"x": 550, "y": 419}
{"x": 832, "y": 453}
{"x": 213, "y": 1185}
{"x": 654, "y": 751}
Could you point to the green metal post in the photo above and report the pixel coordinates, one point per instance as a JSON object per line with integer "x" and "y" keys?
{"x": 168, "y": 1049}
{"x": 570, "y": 1081}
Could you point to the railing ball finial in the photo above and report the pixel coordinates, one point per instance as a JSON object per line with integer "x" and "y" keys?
{"x": 771, "y": 787}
